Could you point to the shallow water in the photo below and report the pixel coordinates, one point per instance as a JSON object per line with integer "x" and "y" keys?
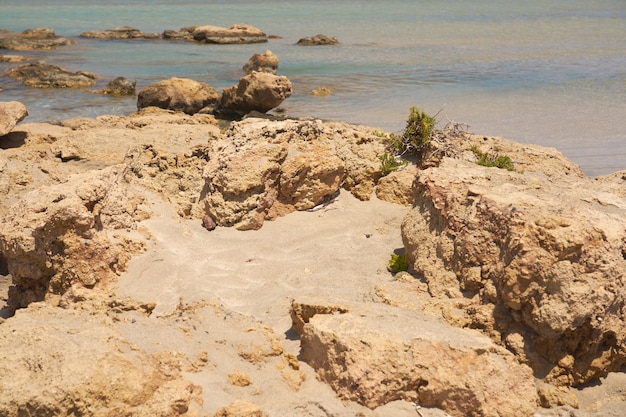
{"x": 546, "y": 72}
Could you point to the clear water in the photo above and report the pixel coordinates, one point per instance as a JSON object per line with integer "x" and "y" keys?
{"x": 550, "y": 72}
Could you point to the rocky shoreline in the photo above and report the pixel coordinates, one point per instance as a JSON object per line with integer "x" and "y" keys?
{"x": 173, "y": 264}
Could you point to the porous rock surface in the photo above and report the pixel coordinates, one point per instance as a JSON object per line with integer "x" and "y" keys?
{"x": 42, "y": 75}
{"x": 537, "y": 256}
{"x": 262, "y": 170}
{"x": 11, "y": 113}
{"x": 178, "y": 94}
{"x": 124, "y": 32}
{"x": 376, "y": 355}
{"x": 265, "y": 62}
{"x": 82, "y": 197}
{"x": 257, "y": 91}
{"x": 71, "y": 362}
{"x": 32, "y": 39}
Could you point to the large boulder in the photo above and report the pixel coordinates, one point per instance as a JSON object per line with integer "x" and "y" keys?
{"x": 264, "y": 169}
{"x": 124, "y": 32}
{"x": 71, "y": 362}
{"x": 378, "y": 354}
{"x": 178, "y": 94}
{"x": 266, "y": 62}
{"x": 42, "y": 75}
{"x": 11, "y": 113}
{"x": 537, "y": 253}
{"x": 61, "y": 236}
{"x": 32, "y": 39}
{"x": 257, "y": 91}
{"x": 237, "y": 34}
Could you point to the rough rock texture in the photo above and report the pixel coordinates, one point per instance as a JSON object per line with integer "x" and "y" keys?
{"x": 261, "y": 171}
{"x": 398, "y": 186}
{"x": 318, "y": 40}
{"x": 118, "y": 87}
{"x": 11, "y": 113}
{"x": 367, "y": 360}
{"x": 42, "y": 75}
{"x": 178, "y": 94}
{"x": 237, "y": 34}
{"x": 69, "y": 362}
{"x": 124, "y": 32}
{"x": 59, "y": 236}
{"x": 32, "y": 39}
{"x": 265, "y": 62}
{"x": 539, "y": 253}
{"x": 14, "y": 58}
{"x": 257, "y": 91}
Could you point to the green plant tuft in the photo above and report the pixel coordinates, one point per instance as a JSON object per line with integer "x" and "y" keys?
{"x": 418, "y": 131}
{"x": 493, "y": 160}
{"x": 389, "y": 163}
{"x": 397, "y": 263}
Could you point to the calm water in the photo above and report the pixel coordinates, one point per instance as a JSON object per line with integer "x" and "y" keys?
{"x": 547, "y": 72}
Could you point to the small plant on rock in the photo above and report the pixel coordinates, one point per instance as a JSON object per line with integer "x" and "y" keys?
{"x": 493, "y": 160}
{"x": 390, "y": 163}
{"x": 397, "y": 263}
{"x": 418, "y": 131}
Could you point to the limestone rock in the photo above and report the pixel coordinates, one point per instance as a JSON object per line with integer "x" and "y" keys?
{"x": 70, "y": 362}
{"x": 42, "y": 75}
{"x": 58, "y": 236}
{"x": 182, "y": 34}
{"x": 256, "y": 91}
{"x": 124, "y": 32}
{"x": 542, "y": 251}
{"x": 266, "y": 62}
{"x": 240, "y": 408}
{"x": 237, "y": 34}
{"x": 178, "y": 94}
{"x": 32, "y": 39}
{"x": 264, "y": 169}
{"x": 318, "y": 40}
{"x": 367, "y": 359}
{"x": 118, "y": 87}
{"x": 398, "y": 186}
{"x": 11, "y": 113}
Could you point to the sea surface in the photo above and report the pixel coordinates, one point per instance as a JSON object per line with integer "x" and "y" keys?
{"x": 550, "y": 72}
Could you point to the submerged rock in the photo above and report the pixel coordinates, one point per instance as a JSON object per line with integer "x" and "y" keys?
{"x": 118, "y": 87}
{"x": 124, "y": 32}
{"x": 318, "y": 40}
{"x": 32, "y": 39}
{"x": 42, "y": 75}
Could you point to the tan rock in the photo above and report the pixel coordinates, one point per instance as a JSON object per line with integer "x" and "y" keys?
{"x": 178, "y": 94}
{"x": 32, "y": 39}
{"x": 11, "y": 113}
{"x": 398, "y": 186}
{"x": 57, "y": 237}
{"x": 42, "y": 75}
{"x": 265, "y": 169}
{"x": 257, "y": 91}
{"x": 542, "y": 249}
{"x": 266, "y": 62}
{"x": 124, "y": 32}
{"x": 70, "y": 362}
{"x": 236, "y": 34}
{"x": 240, "y": 408}
{"x": 365, "y": 358}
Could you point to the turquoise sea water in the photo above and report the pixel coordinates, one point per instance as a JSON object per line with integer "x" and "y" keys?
{"x": 550, "y": 72}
